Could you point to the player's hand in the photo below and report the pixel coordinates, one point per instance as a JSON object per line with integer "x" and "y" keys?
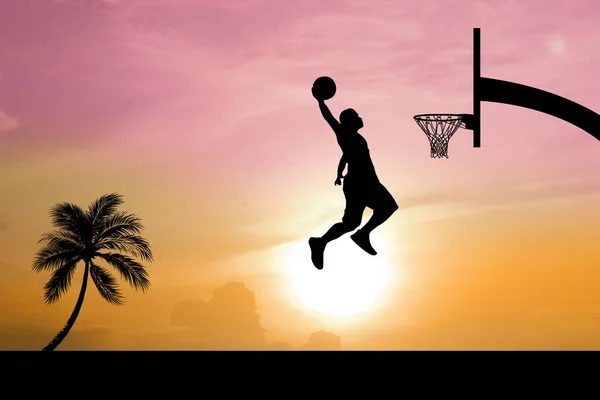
{"x": 316, "y": 97}
{"x": 338, "y": 181}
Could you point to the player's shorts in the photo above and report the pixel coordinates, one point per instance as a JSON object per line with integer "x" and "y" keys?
{"x": 362, "y": 194}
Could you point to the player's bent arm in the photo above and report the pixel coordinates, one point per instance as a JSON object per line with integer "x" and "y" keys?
{"x": 341, "y": 166}
{"x": 328, "y": 116}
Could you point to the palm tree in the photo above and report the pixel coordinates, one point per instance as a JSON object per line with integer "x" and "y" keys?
{"x": 80, "y": 236}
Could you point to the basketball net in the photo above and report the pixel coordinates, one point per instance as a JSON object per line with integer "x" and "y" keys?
{"x": 439, "y": 128}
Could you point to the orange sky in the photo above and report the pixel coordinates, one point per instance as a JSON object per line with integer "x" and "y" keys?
{"x": 493, "y": 248}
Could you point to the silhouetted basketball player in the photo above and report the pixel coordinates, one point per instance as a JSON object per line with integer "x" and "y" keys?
{"x": 361, "y": 187}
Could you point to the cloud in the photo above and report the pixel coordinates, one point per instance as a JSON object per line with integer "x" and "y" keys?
{"x": 229, "y": 320}
{"x": 8, "y": 122}
{"x": 280, "y": 346}
{"x": 427, "y": 199}
{"x": 458, "y": 201}
{"x": 557, "y": 188}
{"x": 322, "y": 340}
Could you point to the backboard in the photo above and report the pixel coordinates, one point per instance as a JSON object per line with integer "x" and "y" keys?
{"x": 476, "y": 120}
{"x": 439, "y": 128}
{"x": 505, "y": 92}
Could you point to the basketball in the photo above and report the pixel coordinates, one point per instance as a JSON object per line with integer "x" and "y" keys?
{"x": 323, "y": 88}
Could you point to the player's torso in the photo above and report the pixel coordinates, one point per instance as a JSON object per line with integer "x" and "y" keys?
{"x": 356, "y": 150}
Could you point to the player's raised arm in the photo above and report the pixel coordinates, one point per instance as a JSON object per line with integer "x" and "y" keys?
{"x": 328, "y": 116}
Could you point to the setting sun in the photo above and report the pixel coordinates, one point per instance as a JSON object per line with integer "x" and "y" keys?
{"x": 351, "y": 283}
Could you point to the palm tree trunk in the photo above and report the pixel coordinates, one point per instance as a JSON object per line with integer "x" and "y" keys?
{"x": 71, "y": 321}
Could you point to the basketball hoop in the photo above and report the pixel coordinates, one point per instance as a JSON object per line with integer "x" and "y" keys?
{"x": 439, "y": 128}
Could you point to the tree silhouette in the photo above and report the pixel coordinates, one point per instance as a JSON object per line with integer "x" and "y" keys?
{"x": 80, "y": 236}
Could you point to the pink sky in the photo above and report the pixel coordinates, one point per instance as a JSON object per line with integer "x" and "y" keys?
{"x": 217, "y": 93}
{"x": 200, "y": 111}
{"x": 201, "y": 86}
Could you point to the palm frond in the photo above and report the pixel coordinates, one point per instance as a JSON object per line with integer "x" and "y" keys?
{"x": 120, "y": 224}
{"x": 70, "y": 217}
{"x": 101, "y": 209}
{"x": 134, "y": 245}
{"x": 133, "y": 272}
{"x": 53, "y": 259}
{"x": 59, "y": 240}
{"x": 59, "y": 282}
{"x": 106, "y": 284}
{"x": 104, "y": 206}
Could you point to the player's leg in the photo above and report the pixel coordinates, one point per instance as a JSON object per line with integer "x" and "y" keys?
{"x": 351, "y": 220}
{"x": 383, "y": 205}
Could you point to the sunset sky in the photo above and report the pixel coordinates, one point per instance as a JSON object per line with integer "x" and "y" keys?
{"x": 199, "y": 113}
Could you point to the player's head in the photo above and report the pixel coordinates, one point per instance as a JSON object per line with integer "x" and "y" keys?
{"x": 350, "y": 119}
